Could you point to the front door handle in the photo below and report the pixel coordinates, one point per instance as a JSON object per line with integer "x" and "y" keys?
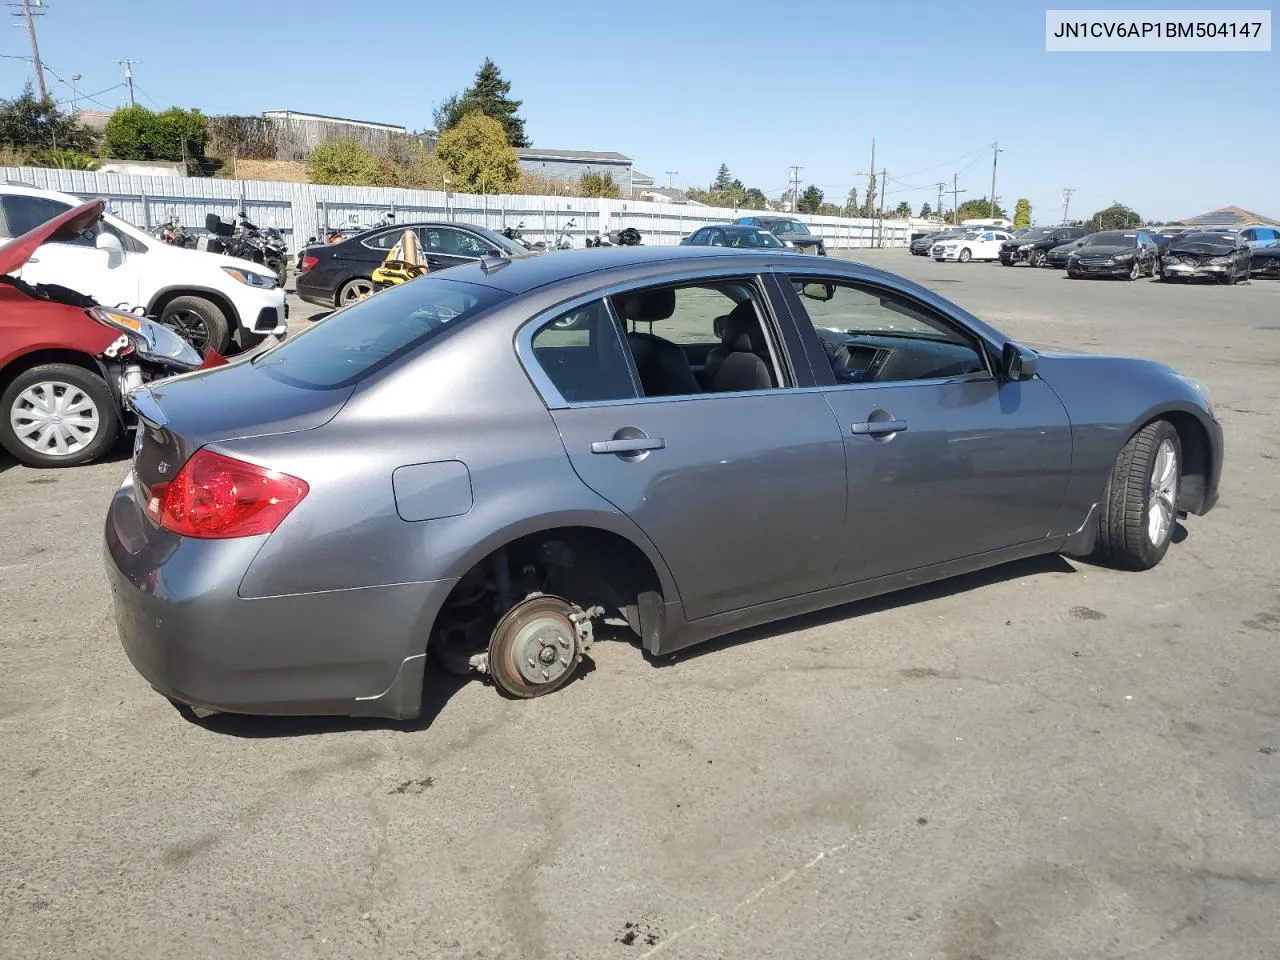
{"x": 628, "y": 445}
{"x": 876, "y": 428}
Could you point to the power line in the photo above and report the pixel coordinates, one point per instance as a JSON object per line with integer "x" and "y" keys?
{"x": 947, "y": 163}
{"x": 29, "y": 15}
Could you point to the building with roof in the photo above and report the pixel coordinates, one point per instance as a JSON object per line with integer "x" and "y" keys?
{"x": 570, "y": 165}
{"x": 1224, "y": 218}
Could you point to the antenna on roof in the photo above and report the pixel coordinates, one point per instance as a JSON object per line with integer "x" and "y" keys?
{"x": 493, "y": 262}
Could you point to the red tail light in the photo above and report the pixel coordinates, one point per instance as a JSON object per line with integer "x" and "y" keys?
{"x": 308, "y": 263}
{"x": 215, "y": 497}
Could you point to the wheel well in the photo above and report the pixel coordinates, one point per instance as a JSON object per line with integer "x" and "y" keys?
{"x": 337, "y": 294}
{"x": 166, "y": 297}
{"x": 37, "y": 357}
{"x": 585, "y": 565}
{"x": 1196, "y": 468}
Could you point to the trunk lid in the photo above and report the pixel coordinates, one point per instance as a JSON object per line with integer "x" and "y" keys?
{"x": 178, "y": 416}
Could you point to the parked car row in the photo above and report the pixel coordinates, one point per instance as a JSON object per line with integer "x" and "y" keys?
{"x": 1226, "y": 256}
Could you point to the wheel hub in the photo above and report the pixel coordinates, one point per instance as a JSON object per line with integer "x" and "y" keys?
{"x": 544, "y": 649}
{"x": 54, "y": 418}
{"x": 1161, "y": 504}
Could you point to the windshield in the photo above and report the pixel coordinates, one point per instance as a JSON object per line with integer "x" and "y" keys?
{"x": 752, "y": 238}
{"x": 1039, "y": 233}
{"x": 1205, "y": 237}
{"x": 1112, "y": 238}
{"x": 786, "y": 226}
{"x": 354, "y": 342}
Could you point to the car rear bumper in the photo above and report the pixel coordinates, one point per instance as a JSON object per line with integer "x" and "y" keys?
{"x": 315, "y": 289}
{"x": 192, "y": 637}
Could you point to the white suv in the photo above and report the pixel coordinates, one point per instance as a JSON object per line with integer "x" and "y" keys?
{"x": 212, "y": 300}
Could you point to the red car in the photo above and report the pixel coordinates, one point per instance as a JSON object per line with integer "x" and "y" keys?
{"x": 67, "y": 364}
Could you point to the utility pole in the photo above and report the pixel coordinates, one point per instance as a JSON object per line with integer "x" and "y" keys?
{"x": 941, "y": 184}
{"x": 75, "y": 96}
{"x": 795, "y": 188}
{"x": 871, "y": 180}
{"x": 1066, "y": 201}
{"x": 128, "y": 76}
{"x": 884, "y": 184}
{"x": 955, "y": 192}
{"x": 995, "y": 155}
{"x": 29, "y": 14}
{"x": 671, "y": 179}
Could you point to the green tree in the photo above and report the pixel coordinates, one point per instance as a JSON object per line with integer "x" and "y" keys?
{"x": 28, "y": 121}
{"x": 477, "y": 156}
{"x": 753, "y": 198}
{"x": 979, "y": 209}
{"x": 851, "y": 203}
{"x": 1116, "y": 217}
{"x": 490, "y": 95}
{"x": 723, "y": 180}
{"x": 344, "y": 163}
{"x": 926, "y": 211}
{"x": 903, "y": 210}
{"x": 1022, "y": 213}
{"x": 829, "y": 210}
{"x": 810, "y": 200}
{"x": 136, "y": 133}
{"x": 598, "y": 185}
{"x": 869, "y": 204}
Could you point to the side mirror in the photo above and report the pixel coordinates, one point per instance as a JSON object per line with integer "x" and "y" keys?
{"x": 110, "y": 242}
{"x": 818, "y": 291}
{"x": 1017, "y": 363}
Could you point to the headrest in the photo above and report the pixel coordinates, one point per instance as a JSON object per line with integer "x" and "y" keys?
{"x": 741, "y": 331}
{"x": 649, "y": 306}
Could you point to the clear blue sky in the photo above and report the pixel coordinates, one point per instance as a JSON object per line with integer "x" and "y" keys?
{"x": 756, "y": 84}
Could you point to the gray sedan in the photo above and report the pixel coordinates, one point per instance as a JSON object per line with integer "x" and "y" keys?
{"x": 475, "y": 468}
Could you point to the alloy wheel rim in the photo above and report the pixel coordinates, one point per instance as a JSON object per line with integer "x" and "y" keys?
{"x": 355, "y": 291}
{"x": 1164, "y": 485}
{"x": 190, "y": 326}
{"x": 55, "y": 418}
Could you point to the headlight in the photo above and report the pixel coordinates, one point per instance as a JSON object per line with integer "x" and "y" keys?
{"x": 150, "y": 340}
{"x": 249, "y": 278}
{"x": 1121, "y": 257}
{"x": 1220, "y": 261}
{"x": 1025, "y": 246}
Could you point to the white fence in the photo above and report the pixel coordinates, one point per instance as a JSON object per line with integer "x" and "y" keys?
{"x": 302, "y": 210}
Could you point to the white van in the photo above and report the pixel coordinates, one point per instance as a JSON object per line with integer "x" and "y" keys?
{"x": 212, "y": 300}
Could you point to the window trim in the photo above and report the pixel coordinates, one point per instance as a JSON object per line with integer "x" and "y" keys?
{"x": 822, "y": 371}
{"x": 778, "y": 326}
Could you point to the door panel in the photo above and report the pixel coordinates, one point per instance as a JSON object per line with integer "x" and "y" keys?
{"x": 974, "y": 466}
{"x": 744, "y": 496}
{"x": 86, "y": 269}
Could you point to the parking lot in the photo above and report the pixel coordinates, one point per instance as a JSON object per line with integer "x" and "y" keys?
{"x": 1046, "y": 760}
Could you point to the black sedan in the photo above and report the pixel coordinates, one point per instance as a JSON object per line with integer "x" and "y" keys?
{"x": 1033, "y": 247}
{"x": 336, "y": 274}
{"x": 1266, "y": 260}
{"x": 1056, "y": 257}
{"x": 790, "y": 231}
{"x": 735, "y": 235}
{"x": 1222, "y": 256}
{"x": 1115, "y": 253}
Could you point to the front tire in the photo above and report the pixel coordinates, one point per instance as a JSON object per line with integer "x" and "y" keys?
{"x": 1135, "y": 271}
{"x": 966, "y": 255}
{"x": 353, "y": 290}
{"x": 1036, "y": 258}
{"x": 198, "y": 321}
{"x": 1140, "y": 510}
{"x": 58, "y": 415}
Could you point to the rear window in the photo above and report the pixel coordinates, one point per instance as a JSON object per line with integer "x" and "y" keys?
{"x": 355, "y": 342}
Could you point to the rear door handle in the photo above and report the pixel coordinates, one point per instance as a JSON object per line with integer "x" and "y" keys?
{"x": 628, "y": 445}
{"x": 875, "y": 428}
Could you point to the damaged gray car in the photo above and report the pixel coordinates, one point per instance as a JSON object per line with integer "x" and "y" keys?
{"x": 446, "y": 472}
{"x": 1220, "y": 257}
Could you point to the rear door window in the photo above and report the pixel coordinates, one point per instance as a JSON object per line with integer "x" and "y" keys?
{"x": 359, "y": 340}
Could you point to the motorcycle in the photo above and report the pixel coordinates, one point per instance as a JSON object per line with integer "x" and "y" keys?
{"x": 561, "y": 242}
{"x": 626, "y": 237}
{"x": 174, "y": 233}
{"x": 516, "y": 233}
{"x": 266, "y": 247}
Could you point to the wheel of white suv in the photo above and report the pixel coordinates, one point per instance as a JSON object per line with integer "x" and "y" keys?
{"x": 57, "y": 415}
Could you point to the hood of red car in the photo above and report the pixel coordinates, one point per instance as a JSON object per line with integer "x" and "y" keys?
{"x": 66, "y": 226}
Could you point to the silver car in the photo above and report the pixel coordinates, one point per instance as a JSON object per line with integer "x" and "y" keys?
{"x": 476, "y": 467}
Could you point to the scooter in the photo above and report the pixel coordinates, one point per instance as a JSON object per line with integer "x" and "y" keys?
{"x": 174, "y": 233}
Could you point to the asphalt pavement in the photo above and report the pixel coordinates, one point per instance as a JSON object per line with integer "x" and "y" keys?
{"x": 1046, "y": 760}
